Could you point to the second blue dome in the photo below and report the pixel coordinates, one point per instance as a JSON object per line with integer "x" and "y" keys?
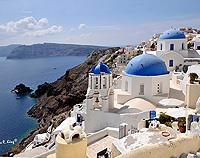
{"x": 146, "y": 65}
{"x": 172, "y": 34}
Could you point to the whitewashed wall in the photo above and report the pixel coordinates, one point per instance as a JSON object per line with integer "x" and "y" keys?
{"x": 98, "y": 120}
{"x": 177, "y": 59}
{"x": 150, "y": 87}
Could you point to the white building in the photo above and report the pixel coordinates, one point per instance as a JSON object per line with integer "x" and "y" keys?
{"x": 145, "y": 76}
{"x": 100, "y": 90}
{"x": 144, "y": 82}
{"x": 102, "y": 112}
{"x": 172, "y": 48}
{"x": 122, "y": 58}
{"x": 196, "y": 41}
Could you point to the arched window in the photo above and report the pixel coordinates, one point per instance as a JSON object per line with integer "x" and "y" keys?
{"x": 96, "y": 83}
{"x": 104, "y": 82}
{"x": 91, "y": 86}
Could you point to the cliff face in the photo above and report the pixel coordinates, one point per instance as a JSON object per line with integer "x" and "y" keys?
{"x": 68, "y": 90}
{"x": 6, "y": 50}
{"x": 51, "y": 49}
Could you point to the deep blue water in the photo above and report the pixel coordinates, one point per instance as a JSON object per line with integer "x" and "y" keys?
{"x": 14, "y": 122}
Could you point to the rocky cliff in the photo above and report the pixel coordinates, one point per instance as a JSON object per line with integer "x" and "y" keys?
{"x": 67, "y": 91}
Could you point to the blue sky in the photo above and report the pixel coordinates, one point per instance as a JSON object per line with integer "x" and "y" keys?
{"x": 99, "y": 22}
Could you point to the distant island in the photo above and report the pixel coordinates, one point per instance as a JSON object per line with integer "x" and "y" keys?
{"x": 6, "y": 50}
{"x": 51, "y": 50}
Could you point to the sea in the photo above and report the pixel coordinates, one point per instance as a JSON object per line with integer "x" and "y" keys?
{"x": 15, "y": 124}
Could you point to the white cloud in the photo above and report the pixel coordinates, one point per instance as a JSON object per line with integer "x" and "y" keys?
{"x": 82, "y": 26}
{"x": 30, "y": 26}
{"x": 98, "y": 27}
{"x": 51, "y": 30}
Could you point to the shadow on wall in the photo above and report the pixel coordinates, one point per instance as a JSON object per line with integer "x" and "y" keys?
{"x": 173, "y": 93}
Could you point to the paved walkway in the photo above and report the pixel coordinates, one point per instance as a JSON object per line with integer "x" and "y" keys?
{"x": 100, "y": 145}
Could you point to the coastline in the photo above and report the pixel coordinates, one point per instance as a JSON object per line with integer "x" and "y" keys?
{"x": 32, "y": 73}
{"x": 70, "y": 90}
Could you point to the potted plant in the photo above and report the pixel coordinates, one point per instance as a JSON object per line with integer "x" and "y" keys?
{"x": 165, "y": 119}
{"x": 182, "y": 124}
{"x": 193, "y": 77}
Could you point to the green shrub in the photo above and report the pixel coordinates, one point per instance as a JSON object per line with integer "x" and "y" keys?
{"x": 164, "y": 118}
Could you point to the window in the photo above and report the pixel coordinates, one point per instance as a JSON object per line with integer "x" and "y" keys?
{"x": 141, "y": 89}
{"x": 171, "y": 46}
{"x": 126, "y": 86}
{"x": 104, "y": 82}
{"x": 161, "y": 46}
{"x": 91, "y": 82}
{"x": 96, "y": 85}
{"x": 182, "y": 46}
{"x": 171, "y": 63}
{"x": 96, "y": 80}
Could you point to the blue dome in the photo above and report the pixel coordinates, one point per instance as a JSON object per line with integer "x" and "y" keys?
{"x": 100, "y": 68}
{"x": 172, "y": 34}
{"x": 146, "y": 65}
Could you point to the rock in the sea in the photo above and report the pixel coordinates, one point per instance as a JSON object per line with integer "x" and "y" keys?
{"x": 21, "y": 89}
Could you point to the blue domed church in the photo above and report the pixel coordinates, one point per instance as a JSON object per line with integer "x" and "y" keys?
{"x": 146, "y": 76}
{"x": 100, "y": 93}
{"x": 172, "y": 48}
